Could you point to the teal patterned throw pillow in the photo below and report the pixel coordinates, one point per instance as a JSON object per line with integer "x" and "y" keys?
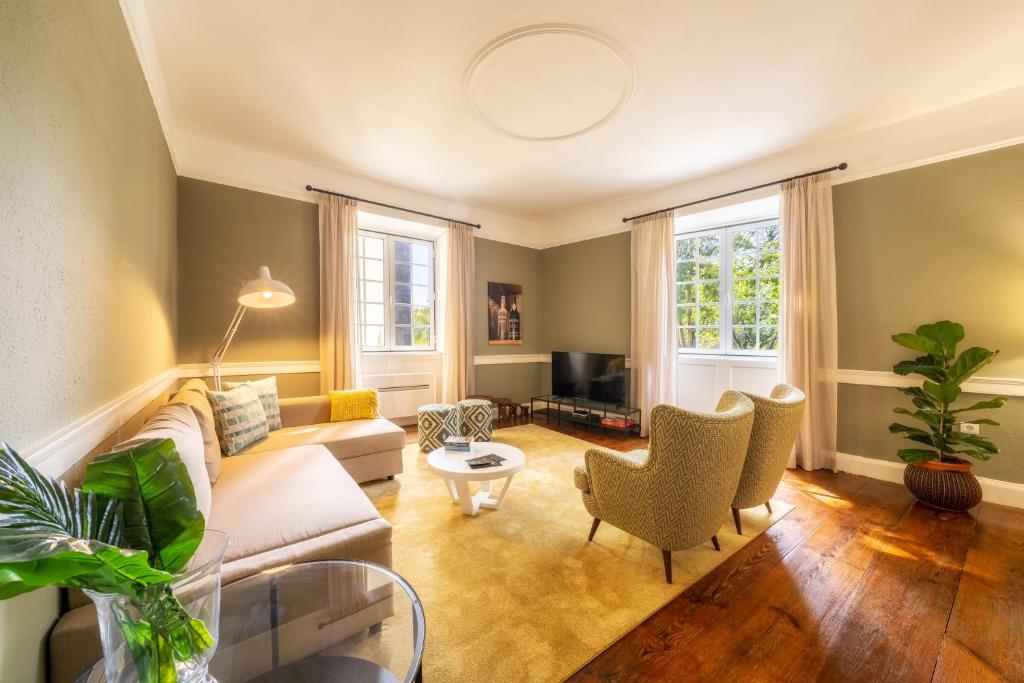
{"x": 241, "y": 420}
{"x": 267, "y": 389}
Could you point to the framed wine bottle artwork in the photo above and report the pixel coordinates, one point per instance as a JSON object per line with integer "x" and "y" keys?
{"x": 504, "y": 313}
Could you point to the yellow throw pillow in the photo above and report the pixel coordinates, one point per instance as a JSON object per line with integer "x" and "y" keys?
{"x": 353, "y": 404}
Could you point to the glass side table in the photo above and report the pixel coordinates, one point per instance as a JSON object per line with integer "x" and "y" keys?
{"x": 332, "y": 620}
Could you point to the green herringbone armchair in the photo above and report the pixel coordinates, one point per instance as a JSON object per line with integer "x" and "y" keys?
{"x": 675, "y": 495}
{"x": 776, "y": 422}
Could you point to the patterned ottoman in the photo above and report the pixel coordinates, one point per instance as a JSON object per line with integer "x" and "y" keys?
{"x": 475, "y": 416}
{"x": 435, "y": 423}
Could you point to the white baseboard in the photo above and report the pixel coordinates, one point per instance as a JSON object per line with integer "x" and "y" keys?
{"x": 993, "y": 490}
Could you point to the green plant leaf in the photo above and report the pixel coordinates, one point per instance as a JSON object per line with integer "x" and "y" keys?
{"x": 159, "y": 503}
{"x": 944, "y": 393}
{"x": 945, "y": 334}
{"x": 990, "y": 404}
{"x": 920, "y": 398}
{"x": 918, "y": 343}
{"x": 977, "y": 455}
{"x": 984, "y": 421}
{"x": 934, "y": 372}
{"x": 969, "y": 362}
{"x": 929, "y": 418}
{"x": 980, "y": 443}
{"x": 917, "y": 454}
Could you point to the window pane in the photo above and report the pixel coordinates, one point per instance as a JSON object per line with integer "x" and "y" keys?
{"x": 708, "y": 247}
{"x": 374, "y": 292}
{"x": 743, "y": 337}
{"x": 686, "y": 315}
{"x": 744, "y": 265}
{"x": 420, "y": 253}
{"x": 403, "y": 252}
{"x": 686, "y": 294}
{"x": 401, "y": 273}
{"x": 708, "y": 270}
{"x": 421, "y": 336}
{"x": 403, "y": 294}
{"x": 708, "y": 291}
{"x": 707, "y": 337}
{"x": 687, "y": 338}
{"x": 373, "y": 270}
{"x": 403, "y": 336}
{"x": 374, "y": 336}
{"x": 708, "y": 315}
{"x": 373, "y": 314}
{"x": 769, "y": 264}
{"x": 420, "y": 275}
{"x": 373, "y": 247}
{"x": 686, "y": 271}
{"x": 403, "y": 314}
{"x": 421, "y": 315}
{"x": 768, "y": 338}
{"x": 744, "y": 289}
{"x": 420, "y": 295}
{"x": 744, "y": 314}
{"x": 686, "y": 249}
{"x": 769, "y": 288}
{"x": 770, "y": 238}
{"x": 742, "y": 240}
{"x": 770, "y": 312}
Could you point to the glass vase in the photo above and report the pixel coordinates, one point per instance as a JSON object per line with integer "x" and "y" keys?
{"x": 165, "y": 630}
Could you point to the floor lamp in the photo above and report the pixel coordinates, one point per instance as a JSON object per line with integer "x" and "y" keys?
{"x": 263, "y": 292}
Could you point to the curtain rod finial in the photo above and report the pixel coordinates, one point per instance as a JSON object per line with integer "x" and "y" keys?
{"x": 842, "y": 166}
{"x": 309, "y": 188}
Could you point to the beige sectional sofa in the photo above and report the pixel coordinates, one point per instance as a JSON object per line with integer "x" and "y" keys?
{"x": 292, "y": 497}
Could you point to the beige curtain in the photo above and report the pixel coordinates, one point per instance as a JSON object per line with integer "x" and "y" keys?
{"x": 810, "y": 355}
{"x": 457, "y": 278}
{"x": 653, "y": 330}
{"x": 340, "y": 347}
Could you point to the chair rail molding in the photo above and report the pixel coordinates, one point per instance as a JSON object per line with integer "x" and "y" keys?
{"x": 1006, "y": 386}
{"x": 281, "y": 367}
{"x": 506, "y": 358}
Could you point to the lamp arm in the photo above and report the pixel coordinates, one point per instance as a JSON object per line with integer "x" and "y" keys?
{"x": 225, "y": 342}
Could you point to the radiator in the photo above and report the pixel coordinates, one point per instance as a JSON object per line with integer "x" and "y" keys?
{"x": 402, "y": 393}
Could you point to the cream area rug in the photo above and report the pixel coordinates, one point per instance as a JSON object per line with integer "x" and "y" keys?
{"x": 518, "y": 594}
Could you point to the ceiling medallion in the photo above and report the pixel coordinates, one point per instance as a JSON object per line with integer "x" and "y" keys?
{"x": 548, "y": 82}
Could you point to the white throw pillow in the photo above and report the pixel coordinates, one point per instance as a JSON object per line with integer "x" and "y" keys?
{"x": 177, "y": 421}
{"x": 267, "y": 390}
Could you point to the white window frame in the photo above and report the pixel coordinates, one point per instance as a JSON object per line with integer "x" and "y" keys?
{"x": 726, "y": 303}
{"x": 390, "y": 346}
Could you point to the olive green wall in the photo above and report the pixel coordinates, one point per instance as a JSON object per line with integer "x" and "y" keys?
{"x": 224, "y": 235}
{"x": 586, "y": 295}
{"x": 87, "y": 190}
{"x": 943, "y": 241}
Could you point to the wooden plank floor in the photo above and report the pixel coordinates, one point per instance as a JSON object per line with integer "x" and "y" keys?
{"x": 858, "y": 583}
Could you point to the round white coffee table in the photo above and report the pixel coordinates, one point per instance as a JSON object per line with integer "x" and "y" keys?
{"x": 457, "y": 474}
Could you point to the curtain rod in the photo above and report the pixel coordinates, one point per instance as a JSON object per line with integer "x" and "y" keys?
{"x": 838, "y": 167}
{"x": 310, "y": 188}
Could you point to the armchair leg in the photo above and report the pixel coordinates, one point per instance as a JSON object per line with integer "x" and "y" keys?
{"x": 768, "y": 506}
{"x": 666, "y": 556}
{"x": 736, "y": 519}
{"x": 714, "y": 541}
{"x": 593, "y": 529}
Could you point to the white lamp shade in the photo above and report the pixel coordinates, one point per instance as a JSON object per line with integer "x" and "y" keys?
{"x": 265, "y": 292}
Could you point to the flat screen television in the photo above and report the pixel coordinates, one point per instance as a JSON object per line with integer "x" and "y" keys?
{"x": 592, "y": 376}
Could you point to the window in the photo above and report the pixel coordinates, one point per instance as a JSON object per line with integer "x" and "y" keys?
{"x": 728, "y": 289}
{"x": 396, "y": 292}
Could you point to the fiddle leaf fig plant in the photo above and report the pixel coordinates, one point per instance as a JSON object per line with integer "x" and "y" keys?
{"x": 132, "y": 524}
{"x": 944, "y": 371}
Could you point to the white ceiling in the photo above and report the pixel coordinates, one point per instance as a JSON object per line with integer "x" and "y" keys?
{"x": 376, "y": 88}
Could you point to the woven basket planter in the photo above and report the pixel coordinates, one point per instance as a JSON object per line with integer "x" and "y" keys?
{"x": 943, "y": 485}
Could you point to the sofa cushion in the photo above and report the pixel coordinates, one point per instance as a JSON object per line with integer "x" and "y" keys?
{"x": 345, "y": 440}
{"x": 178, "y": 422}
{"x": 193, "y": 393}
{"x": 353, "y": 404}
{"x": 269, "y": 500}
{"x": 267, "y": 390}
{"x": 241, "y": 420}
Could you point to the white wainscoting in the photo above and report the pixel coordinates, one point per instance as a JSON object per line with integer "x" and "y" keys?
{"x": 701, "y": 379}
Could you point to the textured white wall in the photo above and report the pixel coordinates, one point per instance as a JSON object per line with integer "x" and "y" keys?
{"x": 87, "y": 242}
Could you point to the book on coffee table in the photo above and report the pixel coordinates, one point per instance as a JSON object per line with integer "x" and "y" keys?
{"x": 457, "y": 444}
{"x": 480, "y": 462}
